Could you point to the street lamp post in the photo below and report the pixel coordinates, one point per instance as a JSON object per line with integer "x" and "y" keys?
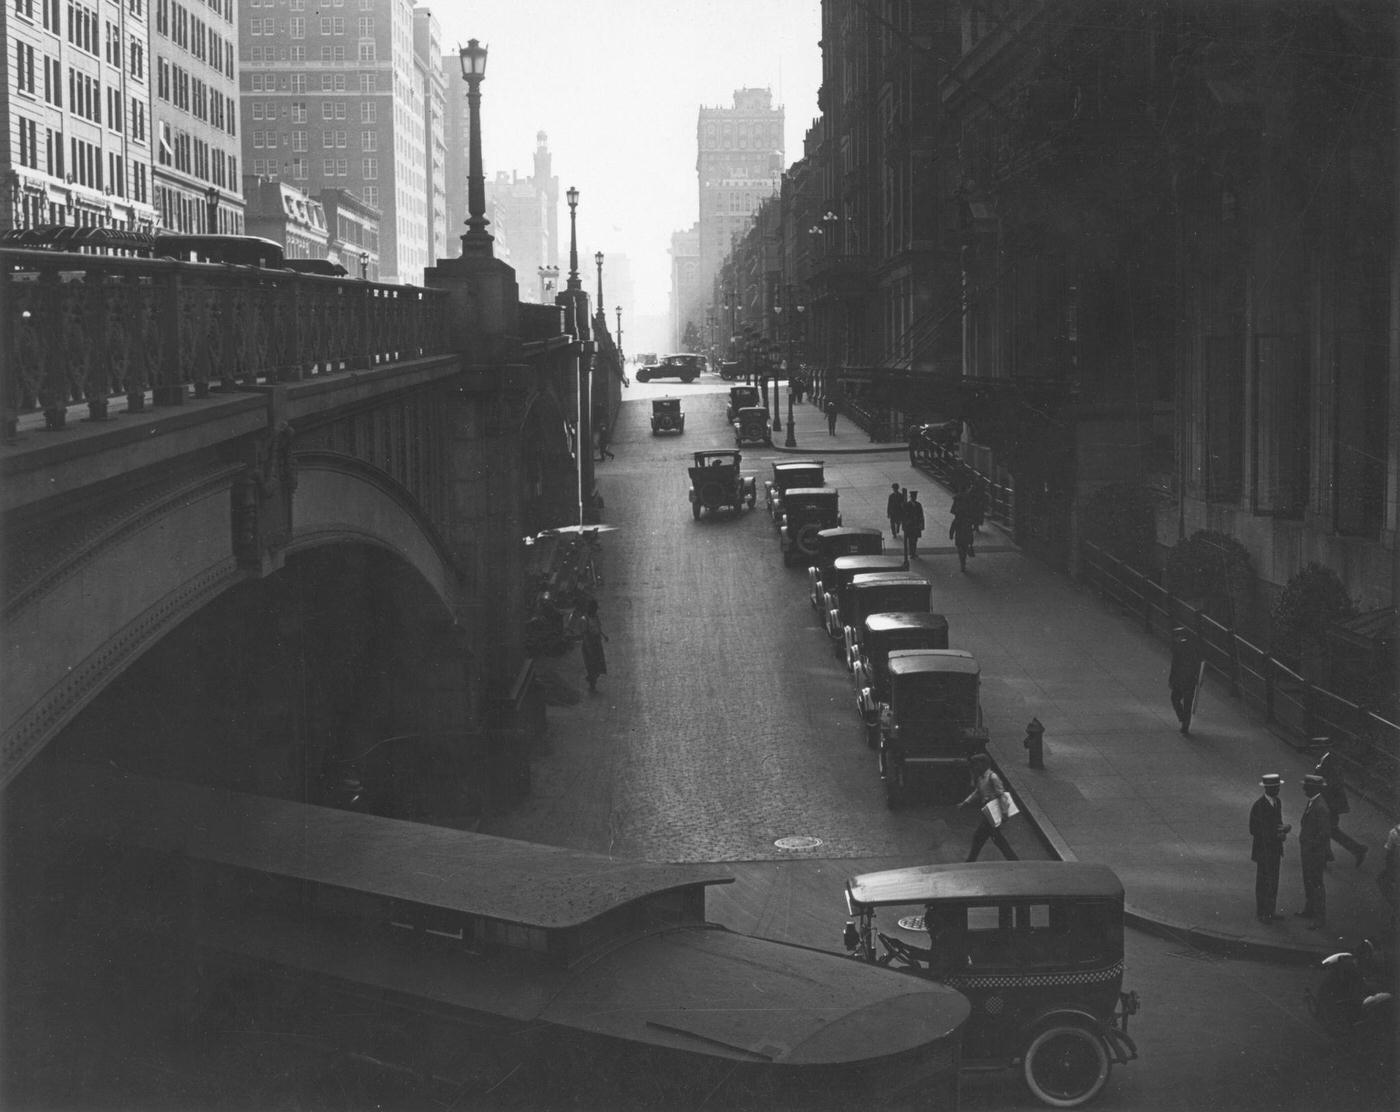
{"x": 364, "y": 265}
{"x": 618, "y": 310}
{"x": 598, "y": 259}
{"x": 211, "y": 210}
{"x": 476, "y": 240}
{"x": 572, "y": 197}
{"x": 791, "y": 441}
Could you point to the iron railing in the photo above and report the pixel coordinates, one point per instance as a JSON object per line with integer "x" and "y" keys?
{"x": 1296, "y": 709}
{"x": 87, "y": 329}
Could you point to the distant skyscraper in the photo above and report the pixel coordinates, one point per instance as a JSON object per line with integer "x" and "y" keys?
{"x": 427, "y": 54}
{"x": 740, "y": 163}
{"x": 524, "y": 216}
{"x": 335, "y": 99}
{"x": 457, "y": 136}
{"x": 688, "y": 293}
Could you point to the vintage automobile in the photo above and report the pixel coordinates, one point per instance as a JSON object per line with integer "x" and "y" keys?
{"x": 751, "y": 426}
{"x": 687, "y": 368}
{"x": 791, "y": 473}
{"x": 537, "y": 976}
{"x": 806, "y": 512}
{"x": 740, "y": 397}
{"x": 879, "y": 593}
{"x": 886, "y": 633}
{"x": 844, "y": 540}
{"x": 834, "y": 584}
{"x": 931, "y": 724}
{"x": 715, "y": 481}
{"x": 667, "y": 416}
{"x": 729, "y": 369}
{"x": 1035, "y": 946}
{"x": 932, "y": 440}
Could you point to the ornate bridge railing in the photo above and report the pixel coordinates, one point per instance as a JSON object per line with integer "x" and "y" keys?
{"x": 85, "y": 329}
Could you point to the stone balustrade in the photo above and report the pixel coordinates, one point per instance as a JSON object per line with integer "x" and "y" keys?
{"x": 83, "y": 329}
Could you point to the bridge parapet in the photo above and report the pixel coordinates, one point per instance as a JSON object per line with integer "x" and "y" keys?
{"x": 85, "y": 329}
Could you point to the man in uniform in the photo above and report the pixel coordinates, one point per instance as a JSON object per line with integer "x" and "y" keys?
{"x": 1314, "y": 833}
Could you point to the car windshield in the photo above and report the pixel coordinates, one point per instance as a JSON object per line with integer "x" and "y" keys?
{"x": 666, "y": 404}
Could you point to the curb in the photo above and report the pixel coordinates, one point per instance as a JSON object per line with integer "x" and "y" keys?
{"x": 1185, "y": 934}
{"x": 798, "y": 451}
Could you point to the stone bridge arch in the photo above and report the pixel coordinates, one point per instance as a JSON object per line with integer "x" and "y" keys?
{"x": 94, "y": 591}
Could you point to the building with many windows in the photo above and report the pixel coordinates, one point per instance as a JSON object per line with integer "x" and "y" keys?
{"x": 281, "y": 212}
{"x": 740, "y": 163}
{"x": 523, "y": 215}
{"x": 75, "y": 115}
{"x": 332, "y": 99}
{"x": 196, "y": 182}
{"x": 432, "y": 89}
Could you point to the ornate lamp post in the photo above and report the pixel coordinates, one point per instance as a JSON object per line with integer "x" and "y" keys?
{"x": 793, "y": 322}
{"x": 618, "y": 310}
{"x": 211, "y": 210}
{"x": 364, "y": 265}
{"x": 598, "y": 259}
{"x": 476, "y": 240}
{"x": 572, "y": 197}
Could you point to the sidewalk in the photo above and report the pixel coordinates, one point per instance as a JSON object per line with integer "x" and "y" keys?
{"x": 1169, "y": 813}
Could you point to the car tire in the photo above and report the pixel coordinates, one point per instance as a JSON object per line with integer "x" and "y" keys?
{"x": 695, "y": 508}
{"x": 806, "y": 539}
{"x": 1065, "y": 1065}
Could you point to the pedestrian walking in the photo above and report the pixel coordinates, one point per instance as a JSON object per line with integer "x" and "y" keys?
{"x": 1267, "y": 829}
{"x": 603, "y": 452}
{"x": 894, "y": 509}
{"x": 831, "y": 414}
{"x": 913, "y": 525}
{"x": 1314, "y": 834}
{"x": 595, "y": 664}
{"x": 1329, "y": 768}
{"x": 987, "y": 788}
{"x": 1185, "y": 675}
{"x": 962, "y": 533}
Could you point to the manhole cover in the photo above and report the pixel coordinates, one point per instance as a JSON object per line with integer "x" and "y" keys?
{"x": 798, "y": 841}
{"x": 912, "y": 923}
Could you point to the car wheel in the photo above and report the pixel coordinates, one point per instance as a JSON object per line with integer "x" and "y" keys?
{"x": 695, "y": 509}
{"x": 872, "y": 735}
{"x": 806, "y": 539}
{"x": 1066, "y": 1065}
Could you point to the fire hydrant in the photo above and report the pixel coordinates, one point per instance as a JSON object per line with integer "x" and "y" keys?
{"x": 1034, "y": 741}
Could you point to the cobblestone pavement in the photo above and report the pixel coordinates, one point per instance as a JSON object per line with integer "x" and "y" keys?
{"x": 726, "y": 721}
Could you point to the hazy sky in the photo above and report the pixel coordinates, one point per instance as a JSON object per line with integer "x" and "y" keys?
{"x": 617, "y": 85}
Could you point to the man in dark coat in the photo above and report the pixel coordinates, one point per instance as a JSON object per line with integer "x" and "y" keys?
{"x": 913, "y": 525}
{"x": 1314, "y": 832}
{"x": 1185, "y": 674}
{"x": 894, "y": 508}
{"x": 1329, "y": 768}
{"x": 1267, "y": 829}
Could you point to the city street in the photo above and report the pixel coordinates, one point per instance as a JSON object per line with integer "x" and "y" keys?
{"x": 726, "y": 723}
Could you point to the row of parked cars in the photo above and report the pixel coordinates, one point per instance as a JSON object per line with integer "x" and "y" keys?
{"x": 1036, "y": 946}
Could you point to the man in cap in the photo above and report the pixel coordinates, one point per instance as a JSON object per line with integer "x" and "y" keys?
{"x": 1335, "y": 793}
{"x": 1314, "y": 832}
{"x": 1185, "y": 674}
{"x": 1267, "y": 829}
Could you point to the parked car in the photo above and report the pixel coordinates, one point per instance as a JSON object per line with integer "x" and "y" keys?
{"x": 806, "y": 512}
{"x": 835, "y": 583}
{"x": 740, "y": 397}
{"x": 1035, "y": 946}
{"x": 844, "y": 540}
{"x": 687, "y": 368}
{"x": 729, "y": 369}
{"x": 931, "y": 724}
{"x": 880, "y": 593}
{"x": 667, "y": 416}
{"x": 792, "y": 473}
{"x": 886, "y": 633}
{"x": 751, "y": 426}
{"x": 716, "y": 480}
{"x": 933, "y": 439}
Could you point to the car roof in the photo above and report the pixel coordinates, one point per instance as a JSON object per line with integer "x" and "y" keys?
{"x": 882, "y": 560}
{"x": 754, "y": 409}
{"x": 799, "y": 464}
{"x": 852, "y": 531}
{"x": 874, "y": 578}
{"x": 710, "y": 452}
{"x": 979, "y": 880}
{"x": 904, "y": 619}
{"x": 914, "y": 662}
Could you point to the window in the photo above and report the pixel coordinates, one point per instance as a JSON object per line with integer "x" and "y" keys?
{"x": 369, "y": 168}
{"x": 299, "y": 171}
{"x": 298, "y": 27}
{"x": 342, "y": 167}
{"x": 365, "y": 26}
{"x": 367, "y": 83}
{"x": 366, "y": 51}
{"x": 299, "y": 112}
{"x": 298, "y": 83}
{"x": 340, "y": 82}
{"x": 53, "y": 82}
{"x": 367, "y": 112}
{"x": 299, "y": 141}
{"x": 28, "y": 142}
{"x": 24, "y": 67}
{"x": 327, "y": 110}
{"x": 296, "y": 54}
{"x": 369, "y": 140}
{"x": 328, "y": 167}
{"x": 328, "y": 139}
{"x": 371, "y": 195}
{"x": 340, "y": 110}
